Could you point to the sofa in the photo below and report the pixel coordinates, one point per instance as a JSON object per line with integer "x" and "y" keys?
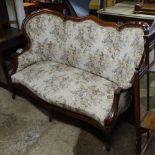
{"x": 82, "y": 67}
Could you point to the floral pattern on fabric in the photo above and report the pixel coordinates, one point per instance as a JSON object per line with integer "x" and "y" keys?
{"x": 101, "y": 50}
{"x": 104, "y": 51}
{"x": 28, "y": 58}
{"x": 78, "y": 65}
{"x": 46, "y": 33}
{"x": 69, "y": 87}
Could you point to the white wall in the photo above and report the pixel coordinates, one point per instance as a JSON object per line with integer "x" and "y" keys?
{"x": 19, "y": 8}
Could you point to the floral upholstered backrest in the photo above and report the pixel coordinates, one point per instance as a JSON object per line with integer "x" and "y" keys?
{"x": 102, "y": 50}
{"x": 46, "y": 33}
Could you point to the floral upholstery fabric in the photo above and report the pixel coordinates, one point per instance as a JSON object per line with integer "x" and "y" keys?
{"x": 69, "y": 87}
{"x": 78, "y": 65}
{"x": 101, "y": 50}
{"x": 104, "y": 51}
{"x": 46, "y": 33}
{"x": 27, "y": 58}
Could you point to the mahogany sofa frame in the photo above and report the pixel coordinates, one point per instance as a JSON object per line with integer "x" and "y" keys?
{"x": 111, "y": 119}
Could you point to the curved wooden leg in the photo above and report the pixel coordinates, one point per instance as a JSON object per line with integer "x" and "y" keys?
{"x": 51, "y": 115}
{"x": 107, "y": 139}
{"x": 13, "y": 91}
{"x": 13, "y": 95}
{"x": 108, "y": 147}
{"x": 138, "y": 140}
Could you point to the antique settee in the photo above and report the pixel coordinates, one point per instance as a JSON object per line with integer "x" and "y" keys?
{"x": 82, "y": 67}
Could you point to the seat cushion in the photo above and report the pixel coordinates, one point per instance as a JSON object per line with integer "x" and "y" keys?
{"x": 70, "y": 88}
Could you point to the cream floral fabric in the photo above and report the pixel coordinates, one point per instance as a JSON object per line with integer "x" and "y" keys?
{"x": 46, "y": 33}
{"x": 69, "y": 87}
{"x": 28, "y": 58}
{"x": 104, "y": 50}
{"x": 78, "y": 65}
{"x": 86, "y": 45}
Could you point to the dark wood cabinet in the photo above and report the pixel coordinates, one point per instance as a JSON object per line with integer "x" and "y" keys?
{"x": 145, "y": 7}
{"x": 9, "y": 43}
{"x": 10, "y": 40}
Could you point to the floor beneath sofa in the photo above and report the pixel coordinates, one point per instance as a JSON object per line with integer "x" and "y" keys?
{"x": 25, "y": 130}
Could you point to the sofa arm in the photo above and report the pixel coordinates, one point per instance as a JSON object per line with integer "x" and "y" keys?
{"x": 27, "y": 58}
{"x": 118, "y": 106}
{"x": 124, "y": 99}
{"x": 24, "y": 58}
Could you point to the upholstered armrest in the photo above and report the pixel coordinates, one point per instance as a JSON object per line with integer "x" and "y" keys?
{"x": 24, "y": 58}
{"x": 125, "y": 100}
{"x": 125, "y": 97}
{"x": 125, "y": 86}
{"x": 27, "y": 58}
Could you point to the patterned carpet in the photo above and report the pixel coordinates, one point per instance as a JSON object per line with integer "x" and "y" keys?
{"x": 25, "y": 130}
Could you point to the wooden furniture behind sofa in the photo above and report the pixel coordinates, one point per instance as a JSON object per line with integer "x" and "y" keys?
{"x": 145, "y": 7}
{"x": 10, "y": 40}
{"x": 9, "y": 43}
{"x": 145, "y": 120}
{"x": 30, "y": 7}
{"x": 122, "y": 12}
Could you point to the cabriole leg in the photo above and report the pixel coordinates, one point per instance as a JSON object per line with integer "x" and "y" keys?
{"x": 138, "y": 141}
{"x": 107, "y": 141}
{"x": 13, "y": 95}
{"x": 51, "y": 115}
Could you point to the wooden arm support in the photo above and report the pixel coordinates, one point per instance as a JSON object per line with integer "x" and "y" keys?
{"x": 112, "y": 116}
